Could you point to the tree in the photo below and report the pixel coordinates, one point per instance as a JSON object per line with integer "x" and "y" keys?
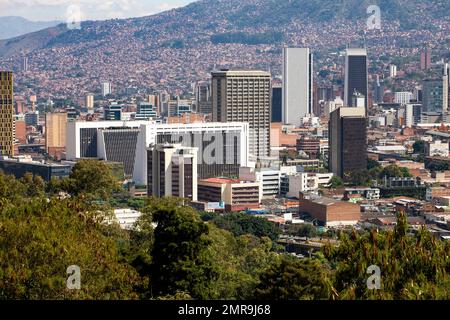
{"x": 293, "y": 279}
{"x": 40, "y": 239}
{"x": 179, "y": 255}
{"x": 419, "y": 147}
{"x": 336, "y": 182}
{"x": 239, "y": 262}
{"x": 241, "y": 224}
{"x": 302, "y": 230}
{"x": 92, "y": 179}
{"x": 372, "y": 164}
{"x": 412, "y": 266}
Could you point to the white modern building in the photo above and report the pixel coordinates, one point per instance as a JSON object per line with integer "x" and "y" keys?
{"x": 172, "y": 171}
{"x": 270, "y": 180}
{"x": 306, "y": 182}
{"x": 392, "y": 71}
{"x": 297, "y": 85}
{"x": 403, "y": 97}
{"x": 106, "y": 88}
{"x": 222, "y": 147}
{"x": 330, "y": 106}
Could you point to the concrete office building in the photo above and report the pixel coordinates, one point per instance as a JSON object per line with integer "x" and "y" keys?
{"x": 172, "y": 171}
{"x": 222, "y": 147}
{"x": 425, "y": 59}
{"x": 403, "y": 97}
{"x": 445, "y": 87}
{"x": 6, "y": 114}
{"x": 146, "y": 111}
{"x": 237, "y": 195}
{"x": 106, "y": 88}
{"x": 245, "y": 96}
{"x": 90, "y": 103}
{"x": 347, "y": 141}
{"x": 203, "y": 97}
{"x": 355, "y": 75}
{"x": 297, "y": 84}
{"x": 55, "y": 131}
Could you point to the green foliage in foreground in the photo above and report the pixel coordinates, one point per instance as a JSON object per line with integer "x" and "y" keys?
{"x": 39, "y": 240}
{"x": 184, "y": 257}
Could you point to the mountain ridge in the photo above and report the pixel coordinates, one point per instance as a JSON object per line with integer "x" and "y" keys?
{"x": 15, "y": 26}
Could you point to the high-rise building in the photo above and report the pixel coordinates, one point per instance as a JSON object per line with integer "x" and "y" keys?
{"x": 172, "y": 171}
{"x": 297, "y": 84}
{"x": 355, "y": 74}
{"x": 113, "y": 112}
{"x": 433, "y": 95}
{"x": 222, "y": 147}
{"x": 392, "y": 71}
{"x": 106, "y": 88}
{"x": 425, "y": 59}
{"x": 358, "y": 100}
{"x": 347, "y": 141}
{"x": 25, "y": 64}
{"x": 403, "y": 97}
{"x": 55, "y": 131}
{"x": 90, "y": 103}
{"x": 203, "y": 97}
{"x": 445, "y": 87}
{"x": 146, "y": 111}
{"x": 277, "y": 104}
{"x": 245, "y": 96}
{"x": 378, "y": 90}
{"x": 6, "y": 114}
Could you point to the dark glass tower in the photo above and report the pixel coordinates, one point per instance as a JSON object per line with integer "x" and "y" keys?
{"x": 355, "y": 75}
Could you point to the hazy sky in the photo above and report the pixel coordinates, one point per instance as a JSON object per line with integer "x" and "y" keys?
{"x": 46, "y": 10}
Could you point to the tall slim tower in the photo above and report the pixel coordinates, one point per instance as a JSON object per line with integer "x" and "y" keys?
{"x": 245, "y": 96}
{"x": 6, "y": 114}
{"x": 347, "y": 141}
{"x": 355, "y": 75}
{"x": 445, "y": 84}
{"x": 297, "y": 84}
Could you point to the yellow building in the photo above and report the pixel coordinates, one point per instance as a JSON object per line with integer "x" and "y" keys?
{"x": 55, "y": 131}
{"x": 6, "y": 114}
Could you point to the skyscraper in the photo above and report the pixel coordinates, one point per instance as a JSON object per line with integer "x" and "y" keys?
{"x": 6, "y": 113}
{"x": 90, "y": 103}
{"x": 203, "y": 97}
{"x": 55, "y": 132}
{"x": 445, "y": 84}
{"x": 355, "y": 74}
{"x": 172, "y": 171}
{"x": 245, "y": 96}
{"x": 106, "y": 88}
{"x": 347, "y": 141}
{"x": 277, "y": 104}
{"x": 297, "y": 84}
{"x": 433, "y": 95}
{"x": 425, "y": 59}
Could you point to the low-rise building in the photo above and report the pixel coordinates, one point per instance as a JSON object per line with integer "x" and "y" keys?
{"x": 19, "y": 166}
{"x": 305, "y": 182}
{"x": 237, "y": 195}
{"x": 330, "y": 212}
